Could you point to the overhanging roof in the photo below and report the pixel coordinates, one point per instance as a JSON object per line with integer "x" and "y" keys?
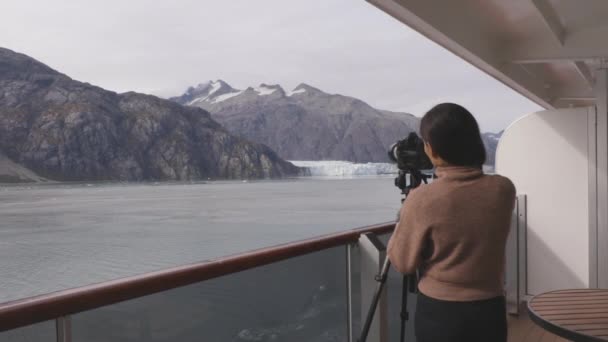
{"x": 546, "y": 50}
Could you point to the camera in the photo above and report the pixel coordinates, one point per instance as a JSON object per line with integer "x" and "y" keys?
{"x": 410, "y": 158}
{"x": 409, "y": 154}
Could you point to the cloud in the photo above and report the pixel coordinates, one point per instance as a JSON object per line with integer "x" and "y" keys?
{"x": 340, "y": 46}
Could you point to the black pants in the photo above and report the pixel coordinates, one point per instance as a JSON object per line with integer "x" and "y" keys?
{"x": 445, "y": 321}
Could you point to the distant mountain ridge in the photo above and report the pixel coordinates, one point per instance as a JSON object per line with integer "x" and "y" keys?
{"x": 63, "y": 129}
{"x": 490, "y": 140}
{"x": 307, "y": 123}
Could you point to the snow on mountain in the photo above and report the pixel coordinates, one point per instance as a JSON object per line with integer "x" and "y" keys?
{"x": 213, "y": 92}
{"x": 493, "y": 136}
{"x": 264, "y": 90}
{"x": 294, "y": 92}
{"x": 226, "y": 96}
{"x": 206, "y": 92}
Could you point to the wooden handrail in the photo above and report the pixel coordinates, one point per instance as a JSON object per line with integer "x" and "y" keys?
{"x": 50, "y": 306}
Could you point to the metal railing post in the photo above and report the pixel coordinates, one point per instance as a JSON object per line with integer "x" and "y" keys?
{"x": 63, "y": 326}
{"x": 512, "y": 265}
{"x": 516, "y": 262}
{"x": 349, "y": 293}
{"x": 522, "y": 246}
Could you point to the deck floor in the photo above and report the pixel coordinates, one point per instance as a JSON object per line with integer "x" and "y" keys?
{"x": 522, "y": 329}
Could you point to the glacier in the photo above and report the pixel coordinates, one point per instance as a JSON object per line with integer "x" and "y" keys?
{"x": 338, "y": 168}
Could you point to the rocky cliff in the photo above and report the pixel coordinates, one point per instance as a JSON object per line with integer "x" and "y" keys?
{"x": 63, "y": 129}
{"x": 11, "y": 172}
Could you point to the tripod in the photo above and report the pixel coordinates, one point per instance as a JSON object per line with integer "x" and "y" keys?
{"x": 409, "y": 281}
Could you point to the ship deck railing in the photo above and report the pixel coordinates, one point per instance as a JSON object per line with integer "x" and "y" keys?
{"x": 316, "y": 289}
{"x": 305, "y": 288}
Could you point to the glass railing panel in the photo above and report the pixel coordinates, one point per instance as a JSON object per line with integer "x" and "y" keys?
{"x": 300, "y": 299}
{"x": 41, "y": 332}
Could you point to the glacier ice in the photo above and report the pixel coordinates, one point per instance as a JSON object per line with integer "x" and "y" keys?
{"x": 333, "y": 168}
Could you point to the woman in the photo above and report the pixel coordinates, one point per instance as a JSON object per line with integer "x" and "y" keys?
{"x": 454, "y": 232}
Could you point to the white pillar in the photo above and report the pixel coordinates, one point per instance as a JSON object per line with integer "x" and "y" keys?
{"x": 598, "y": 262}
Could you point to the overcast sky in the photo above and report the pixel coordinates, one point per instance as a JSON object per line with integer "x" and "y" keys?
{"x": 340, "y": 46}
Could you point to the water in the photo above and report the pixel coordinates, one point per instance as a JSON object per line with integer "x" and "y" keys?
{"x": 54, "y": 237}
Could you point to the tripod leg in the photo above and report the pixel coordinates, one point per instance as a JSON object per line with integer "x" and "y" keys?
{"x": 381, "y": 278}
{"x": 404, "y": 312}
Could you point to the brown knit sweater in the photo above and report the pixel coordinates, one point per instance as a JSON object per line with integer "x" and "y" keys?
{"x": 454, "y": 231}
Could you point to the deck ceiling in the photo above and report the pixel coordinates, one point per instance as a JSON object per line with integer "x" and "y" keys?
{"x": 547, "y": 50}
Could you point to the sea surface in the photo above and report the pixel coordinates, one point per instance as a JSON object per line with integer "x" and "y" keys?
{"x": 54, "y": 237}
{"x": 60, "y": 236}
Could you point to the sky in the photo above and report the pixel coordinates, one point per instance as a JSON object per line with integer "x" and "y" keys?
{"x": 343, "y": 47}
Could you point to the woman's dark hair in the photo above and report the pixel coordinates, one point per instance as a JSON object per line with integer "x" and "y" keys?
{"x": 454, "y": 135}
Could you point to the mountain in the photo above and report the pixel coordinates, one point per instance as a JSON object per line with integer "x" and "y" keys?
{"x": 307, "y": 123}
{"x": 490, "y": 140}
{"x": 303, "y": 124}
{"x": 63, "y": 129}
